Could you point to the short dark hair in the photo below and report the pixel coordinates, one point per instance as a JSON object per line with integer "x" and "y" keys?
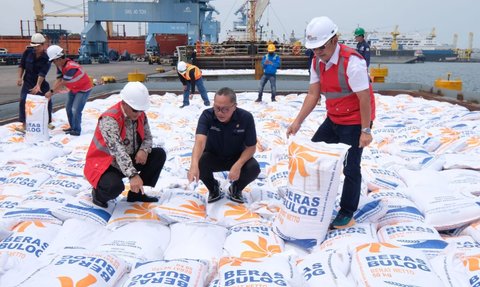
{"x": 227, "y": 92}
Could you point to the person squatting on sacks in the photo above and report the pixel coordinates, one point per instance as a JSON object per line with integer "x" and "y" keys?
{"x": 33, "y": 69}
{"x": 71, "y": 75}
{"x": 225, "y": 139}
{"x": 339, "y": 73}
{"x": 122, "y": 147}
{"x": 191, "y": 76}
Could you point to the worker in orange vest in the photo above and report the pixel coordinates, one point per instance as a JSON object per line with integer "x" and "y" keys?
{"x": 191, "y": 76}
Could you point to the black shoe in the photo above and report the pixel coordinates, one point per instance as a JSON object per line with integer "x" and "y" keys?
{"x": 258, "y": 100}
{"x": 96, "y": 201}
{"x": 206, "y": 103}
{"x": 216, "y": 194}
{"x": 132, "y": 197}
{"x": 273, "y": 100}
{"x": 235, "y": 194}
{"x": 183, "y": 106}
{"x": 73, "y": 133}
{"x": 67, "y": 130}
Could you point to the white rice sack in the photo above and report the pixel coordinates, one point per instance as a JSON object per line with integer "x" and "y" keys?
{"x": 463, "y": 244}
{"x": 72, "y": 167}
{"x": 349, "y": 238}
{"x": 42, "y": 152}
{"x": 26, "y": 243}
{"x": 49, "y": 168}
{"x": 325, "y": 269}
{"x": 472, "y": 265}
{"x": 36, "y": 118}
{"x": 315, "y": 167}
{"x": 45, "y": 199}
{"x": 20, "y": 183}
{"x": 84, "y": 210}
{"x": 369, "y": 210}
{"x": 77, "y": 234}
{"x": 267, "y": 272}
{"x": 252, "y": 240}
{"x": 20, "y": 214}
{"x": 137, "y": 242}
{"x": 180, "y": 272}
{"x": 381, "y": 178}
{"x": 264, "y": 160}
{"x": 196, "y": 240}
{"x": 304, "y": 217}
{"x": 399, "y": 208}
{"x": 228, "y": 213}
{"x": 414, "y": 235}
{"x": 79, "y": 268}
{"x": 9, "y": 203}
{"x": 473, "y": 230}
{"x": 8, "y": 168}
{"x": 383, "y": 264}
{"x": 66, "y": 184}
{"x": 128, "y": 212}
{"x": 450, "y": 269}
{"x": 445, "y": 209}
{"x": 277, "y": 175}
{"x": 467, "y": 160}
{"x": 263, "y": 200}
{"x": 178, "y": 205}
{"x": 465, "y": 180}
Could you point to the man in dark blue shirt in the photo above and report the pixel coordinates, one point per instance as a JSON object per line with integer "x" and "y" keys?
{"x": 225, "y": 140}
{"x": 362, "y": 46}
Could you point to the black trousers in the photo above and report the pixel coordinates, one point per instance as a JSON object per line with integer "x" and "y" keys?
{"x": 111, "y": 185}
{"x": 210, "y": 163}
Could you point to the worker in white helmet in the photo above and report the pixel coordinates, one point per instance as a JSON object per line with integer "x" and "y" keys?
{"x": 72, "y": 76}
{"x": 122, "y": 147}
{"x": 191, "y": 76}
{"x": 340, "y": 74}
{"x": 33, "y": 69}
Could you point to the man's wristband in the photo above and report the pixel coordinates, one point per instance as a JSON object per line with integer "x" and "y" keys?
{"x": 367, "y": 131}
{"x": 133, "y": 175}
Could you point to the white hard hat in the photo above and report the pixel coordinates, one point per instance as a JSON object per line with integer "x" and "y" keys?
{"x": 37, "y": 40}
{"x": 54, "y": 52}
{"x": 319, "y": 31}
{"x": 181, "y": 66}
{"x": 135, "y": 94}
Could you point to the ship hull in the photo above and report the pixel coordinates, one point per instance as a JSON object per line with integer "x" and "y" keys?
{"x": 393, "y": 57}
{"x": 440, "y": 55}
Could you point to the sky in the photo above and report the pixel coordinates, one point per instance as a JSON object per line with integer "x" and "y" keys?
{"x": 283, "y": 16}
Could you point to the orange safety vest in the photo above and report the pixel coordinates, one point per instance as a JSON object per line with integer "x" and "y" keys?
{"x": 98, "y": 156}
{"x": 80, "y": 82}
{"x": 186, "y": 74}
{"x": 342, "y": 103}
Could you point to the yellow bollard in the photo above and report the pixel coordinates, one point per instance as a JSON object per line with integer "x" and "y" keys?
{"x": 448, "y": 84}
{"x": 137, "y": 77}
{"x": 378, "y": 74}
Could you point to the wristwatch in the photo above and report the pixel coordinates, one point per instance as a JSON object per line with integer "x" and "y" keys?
{"x": 133, "y": 175}
{"x": 368, "y": 131}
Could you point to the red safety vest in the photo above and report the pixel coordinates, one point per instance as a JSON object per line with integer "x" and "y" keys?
{"x": 342, "y": 103}
{"x": 98, "y": 156}
{"x": 80, "y": 82}
{"x": 186, "y": 75}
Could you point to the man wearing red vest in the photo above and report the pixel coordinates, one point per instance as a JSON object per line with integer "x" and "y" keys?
{"x": 71, "y": 75}
{"x": 191, "y": 76}
{"x": 122, "y": 147}
{"x": 340, "y": 74}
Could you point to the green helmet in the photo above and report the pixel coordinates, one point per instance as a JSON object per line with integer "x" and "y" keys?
{"x": 359, "y": 32}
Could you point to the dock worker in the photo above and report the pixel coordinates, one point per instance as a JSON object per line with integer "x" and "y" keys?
{"x": 191, "y": 76}
{"x": 363, "y": 48}
{"x": 225, "y": 140}
{"x": 122, "y": 147}
{"x": 270, "y": 64}
{"x": 72, "y": 76}
{"x": 339, "y": 73}
{"x": 33, "y": 69}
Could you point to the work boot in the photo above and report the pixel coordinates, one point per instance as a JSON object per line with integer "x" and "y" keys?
{"x": 258, "y": 100}
{"x": 342, "y": 221}
{"x": 182, "y": 106}
{"x": 214, "y": 195}
{"x": 96, "y": 201}
{"x": 273, "y": 99}
{"x": 139, "y": 196}
{"x": 235, "y": 194}
{"x": 67, "y": 130}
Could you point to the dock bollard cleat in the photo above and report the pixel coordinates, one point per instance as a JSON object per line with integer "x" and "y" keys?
{"x": 342, "y": 221}
{"x": 139, "y": 196}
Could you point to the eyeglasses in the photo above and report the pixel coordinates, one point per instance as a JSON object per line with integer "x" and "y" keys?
{"x": 223, "y": 110}
{"x": 134, "y": 110}
{"x": 324, "y": 46}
